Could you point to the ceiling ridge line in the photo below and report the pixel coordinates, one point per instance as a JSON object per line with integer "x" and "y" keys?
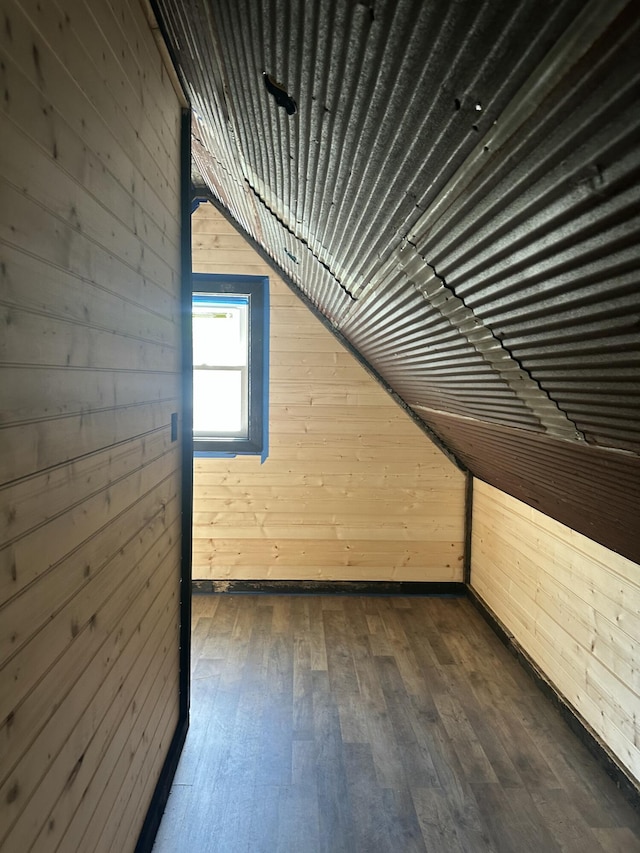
{"x": 301, "y": 240}
{"x": 424, "y": 277}
{"x": 281, "y": 211}
{"x": 344, "y": 341}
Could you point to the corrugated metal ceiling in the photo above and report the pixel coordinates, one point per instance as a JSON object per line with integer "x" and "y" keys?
{"x": 455, "y": 186}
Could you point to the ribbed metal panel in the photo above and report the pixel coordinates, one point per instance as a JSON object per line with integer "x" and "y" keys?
{"x": 378, "y": 129}
{"x": 457, "y": 192}
{"x": 425, "y": 359}
{"x": 543, "y": 245}
{"x": 376, "y": 87}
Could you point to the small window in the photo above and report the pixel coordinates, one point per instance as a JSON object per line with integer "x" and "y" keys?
{"x": 230, "y": 364}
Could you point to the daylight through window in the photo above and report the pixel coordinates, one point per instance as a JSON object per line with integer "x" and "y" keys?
{"x": 230, "y": 364}
{"x": 220, "y": 366}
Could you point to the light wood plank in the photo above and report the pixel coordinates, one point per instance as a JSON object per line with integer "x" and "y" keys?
{"x": 25, "y": 163}
{"x": 64, "y": 245}
{"x": 31, "y": 284}
{"x": 91, "y": 274}
{"x": 51, "y": 392}
{"x": 90, "y": 308}
{"x": 75, "y": 87}
{"x": 38, "y": 445}
{"x": 79, "y": 556}
{"x": 59, "y": 653}
{"x": 82, "y": 142}
{"x": 352, "y": 488}
{"x": 34, "y": 339}
{"x": 573, "y": 606}
{"x": 35, "y": 500}
{"x": 106, "y": 705}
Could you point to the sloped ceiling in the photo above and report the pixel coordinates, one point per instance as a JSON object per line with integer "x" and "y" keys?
{"x": 455, "y": 186}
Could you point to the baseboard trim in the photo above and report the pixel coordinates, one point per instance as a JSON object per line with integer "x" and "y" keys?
{"x": 579, "y": 726}
{"x": 158, "y": 803}
{"x": 306, "y": 587}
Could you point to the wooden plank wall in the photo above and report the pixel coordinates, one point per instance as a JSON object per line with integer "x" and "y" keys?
{"x": 352, "y": 489}
{"x": 89, "y": 478}
{"x": 573, "y": 605}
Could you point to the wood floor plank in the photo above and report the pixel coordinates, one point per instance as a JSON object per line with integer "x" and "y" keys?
{"x": 316, "y": 635}
{"x": 486, "y": 728}
{"x": 298, "y": 819}
{"x": 402, "y": 825}
{"x": 397, "y": 700}
{"x": 342, "y": 672}
{"x": 439, "y": 827}
{"x": 418, "y": 764}
{"x": 203, "y": 694}
{"x": 513, "y": 828}
{"x": 452, "y": 781}
{"x": 336, "y": 828}
{"x": 386, "y": 754}
{"x": 261, "y": 823}
{"x": 302, "y": 694}
{"x": 353, "y": 719}
{"x": 369, "y": 822}
{"x": 566, "y": 823}
{"x": 618, "y": 840}
{"x": 352, "y": 724}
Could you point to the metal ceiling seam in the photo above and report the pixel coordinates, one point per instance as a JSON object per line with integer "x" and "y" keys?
{"x": 516, "y": 274}
{"x": 238, "y": 205}
{"x": 333, "y": 114}
{"x": 435, "y": 290}
{"x": 213, "y": 108}
{"x": 308, "y": 21}
{"x": 278, "y": 209}
{"x": 461, "y": 413}
{"x": 569, "y": 292}
{"x": 254, "y": 143}
{"x": 316, "y": 282}
{"x": 287, "y": 227}
{"x": 446, "y": 360}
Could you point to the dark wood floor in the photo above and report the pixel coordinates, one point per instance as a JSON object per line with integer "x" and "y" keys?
{"x": 376, "y": 724}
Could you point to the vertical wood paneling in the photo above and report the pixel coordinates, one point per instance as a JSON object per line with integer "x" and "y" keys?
{"x": 571, "y": 604}
{"x": 89, "y": 477}
{"x": 352, "y": 488}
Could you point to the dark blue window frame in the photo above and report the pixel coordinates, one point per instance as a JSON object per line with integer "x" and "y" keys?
{"x": 256, "y": 289}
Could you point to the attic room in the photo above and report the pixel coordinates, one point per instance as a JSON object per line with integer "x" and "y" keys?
{"x": 407, "y": 616}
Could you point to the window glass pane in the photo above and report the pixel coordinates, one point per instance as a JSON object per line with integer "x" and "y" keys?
{"x": 230, "y": 364}
{"x": 217, "y": 402}
{"x": 220, "y": 335}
